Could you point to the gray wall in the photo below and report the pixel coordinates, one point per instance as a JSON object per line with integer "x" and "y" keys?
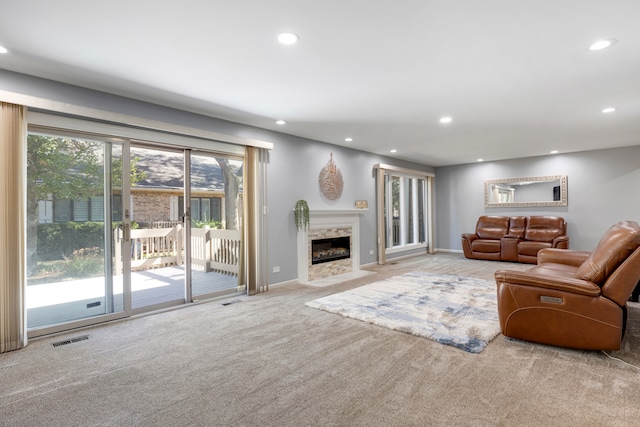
{"x": 602, "y": 189}
{"x": 292, "y": 174}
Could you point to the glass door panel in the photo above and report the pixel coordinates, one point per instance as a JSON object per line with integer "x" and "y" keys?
{"x": 422, "y": 205}
{"x": 408, "y": 209}
{"x": 395, "y": 212}
{"x": 216, "y": 218}
{"x": 73, "y": 200}
{"x": 157, "y": 232}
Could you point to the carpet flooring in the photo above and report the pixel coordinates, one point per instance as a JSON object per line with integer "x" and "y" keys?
{"x": 269, "y": 360}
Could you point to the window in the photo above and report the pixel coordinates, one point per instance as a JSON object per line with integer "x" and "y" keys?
{"x": 405, "y": 200}
{"x": 203, "y": 209}
{"x": 404, "y": 210}
{"x": 79, "y": 210}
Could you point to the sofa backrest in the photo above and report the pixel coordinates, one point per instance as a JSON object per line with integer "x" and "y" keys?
{"x": 517, "y": 226}
{"x": 620, "y": 241}
{"x": 544, "y": 228}
{"x": 492, "y": 226}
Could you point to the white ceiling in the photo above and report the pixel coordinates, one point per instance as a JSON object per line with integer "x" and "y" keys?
{"x": 516, "y": 76}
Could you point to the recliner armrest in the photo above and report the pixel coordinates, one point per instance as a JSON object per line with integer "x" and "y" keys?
{"x": 561, "y": 242}
{"x": 562, "y": 256}
{"x": 469, "y": 236}
{"x": 566, "y": 284}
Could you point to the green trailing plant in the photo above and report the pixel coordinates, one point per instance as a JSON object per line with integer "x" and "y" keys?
{"x": 301, "y": 212}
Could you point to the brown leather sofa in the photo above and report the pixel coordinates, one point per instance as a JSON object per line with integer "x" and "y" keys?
{"x": 572, "y": 298}
{"x": 515, "y": 238}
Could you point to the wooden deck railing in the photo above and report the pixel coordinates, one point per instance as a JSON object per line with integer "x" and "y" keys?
{"x": 211, "y": 249}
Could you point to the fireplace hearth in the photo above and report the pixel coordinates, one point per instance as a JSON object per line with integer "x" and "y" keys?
{"x": 331, "y": 249}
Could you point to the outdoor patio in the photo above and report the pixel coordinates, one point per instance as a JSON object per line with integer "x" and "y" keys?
{"x": 60, "y": 302}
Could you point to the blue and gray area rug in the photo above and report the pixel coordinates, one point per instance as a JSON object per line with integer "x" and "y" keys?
{"x": 458, "y": 311}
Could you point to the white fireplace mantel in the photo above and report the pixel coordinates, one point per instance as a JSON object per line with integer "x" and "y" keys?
{"x": 336, "y": 212}
{"x": 321, "y": 219}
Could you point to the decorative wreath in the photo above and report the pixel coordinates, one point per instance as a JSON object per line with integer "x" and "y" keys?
{"x": 330, "y": 180}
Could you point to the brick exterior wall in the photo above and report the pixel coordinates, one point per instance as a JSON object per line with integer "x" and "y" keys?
{"x": 151, "y": 206}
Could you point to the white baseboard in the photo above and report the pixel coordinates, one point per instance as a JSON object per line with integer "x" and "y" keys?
{"x": 452, "y": 251}
{"x": 285, "y": 283}
{"x": 371, "y": 264}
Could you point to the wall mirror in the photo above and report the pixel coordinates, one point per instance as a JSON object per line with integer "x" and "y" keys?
{"x": 526, "y": 192}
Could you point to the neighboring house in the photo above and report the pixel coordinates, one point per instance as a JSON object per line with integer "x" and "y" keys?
{"x": 157, "y": 198}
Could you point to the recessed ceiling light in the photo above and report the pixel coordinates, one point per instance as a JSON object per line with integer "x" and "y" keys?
{"x": 609, "y": 110}
{"x": 554, "y": 151}
{"x": 3, "y": 49}
{"x": 445, "y": 120}
{"x": 480, "y": 160}
{"x": 280, "y": 122}
{"x": 348, "y": 139}
{"x": 394, "y": 151}
{"x": 602, "y": 44}
{"x": 288, "y": 38}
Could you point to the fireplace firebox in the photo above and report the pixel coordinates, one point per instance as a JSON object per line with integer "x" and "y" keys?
{"x": 325, "y": 250}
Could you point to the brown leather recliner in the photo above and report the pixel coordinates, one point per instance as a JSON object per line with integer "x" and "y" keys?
{"x": 572, "y": 298}
{"x": 485, "y": 242}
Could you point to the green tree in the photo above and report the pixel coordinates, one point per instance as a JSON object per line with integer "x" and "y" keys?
{"x": 231, "y": 190}
{"x": 65, "y": 168}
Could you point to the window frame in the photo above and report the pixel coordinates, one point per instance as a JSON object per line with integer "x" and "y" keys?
{"x": 419, "y": 199}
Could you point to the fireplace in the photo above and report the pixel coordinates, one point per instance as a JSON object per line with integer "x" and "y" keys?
{"x": 331, "y": 249}
{"x": 342, "y": 226}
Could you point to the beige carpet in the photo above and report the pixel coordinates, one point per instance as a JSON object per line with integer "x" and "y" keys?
{"x": 270, "y": 361}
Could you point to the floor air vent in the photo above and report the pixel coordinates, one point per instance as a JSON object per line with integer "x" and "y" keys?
{"x": 71, "y": 340}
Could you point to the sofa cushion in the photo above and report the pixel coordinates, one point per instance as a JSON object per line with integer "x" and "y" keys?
{"x": 531, "y": 248}
{"x": 614, "y": 247}
{"x": 492, "y": 227}
{"x": 544, "y": 228}
{"x": 482, "y": 245}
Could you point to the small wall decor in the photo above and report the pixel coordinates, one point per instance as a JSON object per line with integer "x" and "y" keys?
{"x": 362, "y": 204}
{"x": 301, "y": 214}
{"x": 330, "y": 180}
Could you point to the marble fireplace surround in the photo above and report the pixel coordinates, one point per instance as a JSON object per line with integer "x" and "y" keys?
{"x": 319, "y": 222}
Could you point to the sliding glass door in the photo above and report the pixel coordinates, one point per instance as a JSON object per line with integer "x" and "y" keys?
{"x": 74, "y": 203}
{"x": 157, "y": 228}
{"x": 116, "y": 228}
{"x": 186, "y": 211}
{"x": 216, "y": 223}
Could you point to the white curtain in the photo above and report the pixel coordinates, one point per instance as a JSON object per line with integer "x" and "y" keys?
{"x": 381, "y": 225}
{"x": 13, "y": 171}
{"x": 255, "y": 220}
